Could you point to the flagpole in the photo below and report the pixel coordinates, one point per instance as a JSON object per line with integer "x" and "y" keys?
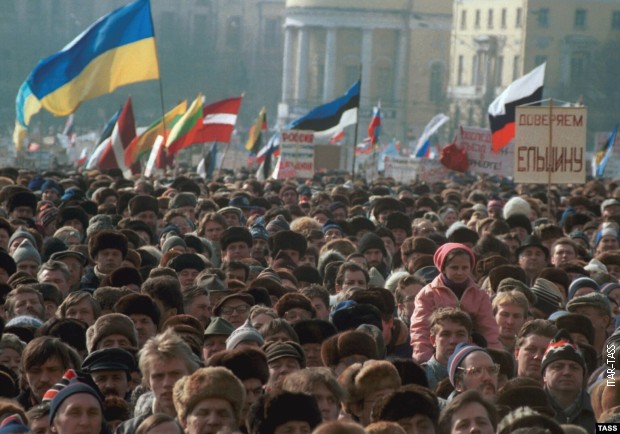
{"x": 357, "y": 122}
{"x": 161, "y": 83}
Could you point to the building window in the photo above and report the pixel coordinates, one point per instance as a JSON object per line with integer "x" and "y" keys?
{"x": 436, "y": 85}
{"x": 385, "y": 78}
{"x": 474, "y": 70}
{"x": 504, "y": 16}
{"x": 543, "y": 17}
{"x": 272, "y": 33}
{"x": 477, "y": 22}
{"x": 499, "y": 70}
{"x": 579, "y": 66}
{"x": 615, "y": 20}
{"x": 463, "y": 20}
{"x": 516, "y": 68}
{"x": 233, "y": 33}
{"x": 490, "y": 19}
{"x": 459, "y": 73}
{"x": 580, "y": 18}
{"x": 519, "y": 19}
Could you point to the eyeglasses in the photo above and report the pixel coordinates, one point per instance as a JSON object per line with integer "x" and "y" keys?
{"x": 476, "y": 371}
{"x": 291, "y": 315}
{"x": 241, "y": 309}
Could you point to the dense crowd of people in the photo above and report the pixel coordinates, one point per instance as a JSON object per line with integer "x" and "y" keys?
{"x": 328, "y": 305}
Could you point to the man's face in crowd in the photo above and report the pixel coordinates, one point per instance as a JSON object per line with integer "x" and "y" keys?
{"x": 42, "y": 377}
{"x": 353, "y": 279}
{"x": 607, "y": 243}
{"x": 374, "y": 257}
{"x": 56, "y": 277}
{"x": 478, "y": 375}
{"x": 408, "y": 293}
{"x": 260, "y": 248}
{"x": 563, "y": 377}
{"x": 236, "y": 251}
{"x": 600, "y": 321}
{"x": 471, "y": 418}
{"x": 210, "y": 416}
{"x": 82, "y": 311}
{"x": 327, "y": 402}
{"x": 509, "y": 318}
{"x": 75, "y": 268}
{"x": 111, "y": 382}
{"x": 213, "y": 344}
{"x": 200, "y": 308}
{"x": 232, "y": 219}
{"x": 563, "y": 253}
{"x": 213, "y": 230}
{"x": 145, "y": 326}
{"x": 28, "y": 266}
{"x": 28, "y": 303}
{"x": 529, "y": 356}
{"x": 22, "y": 212}
{"x": 532, "y": 259}
{"x": 79, "y": 413}
{"x": 108, "y": 260}
{"x": 148, "y": 217}
{"x": 163, "y": 374}
{"x": 448, "y": 336}
{"x": 187, "y": 277}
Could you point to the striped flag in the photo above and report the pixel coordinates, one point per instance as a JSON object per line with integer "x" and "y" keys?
{"x": 526, "y": 90}
{"x": 374, "y": 129}
{"x": 218, "y": 121}
{"x": 183, "y": 134}
{"x": 423, "y": 147}
{"x": 113, "y": 155}
{"x": 603, "y": 155}
{"x": 255, "y": 135}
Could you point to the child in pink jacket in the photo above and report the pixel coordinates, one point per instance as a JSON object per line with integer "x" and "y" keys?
{"x": 454, "y": 287}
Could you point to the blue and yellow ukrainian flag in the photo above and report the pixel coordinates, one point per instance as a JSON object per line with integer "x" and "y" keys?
{"x": 117, "y": 49}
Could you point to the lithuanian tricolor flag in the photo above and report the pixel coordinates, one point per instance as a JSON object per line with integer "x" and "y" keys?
{"x": 183, "y": 133}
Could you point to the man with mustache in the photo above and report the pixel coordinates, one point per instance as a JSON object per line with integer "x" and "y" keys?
{"x": 110, "y": 369}
{"x": 471, "y": 368}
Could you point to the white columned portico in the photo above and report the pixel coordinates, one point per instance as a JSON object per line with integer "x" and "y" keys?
{"x": 287, "y": 64}
{"x": 329, "y": 76}
{"x": 401, "y": 66}
{"x": 301, "y": 70}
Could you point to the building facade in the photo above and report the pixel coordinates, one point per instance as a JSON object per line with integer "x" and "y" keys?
{"x": 496, "y": 41}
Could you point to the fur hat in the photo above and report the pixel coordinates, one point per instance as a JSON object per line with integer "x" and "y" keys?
{"x": 360, "y": 380}
{"x": 399, "y": 220}
{"x": 287, "y": 240}
{"x": 124, "y": 276}
{"x": 314, "y": 331}
{"x": 245, "y": 363}
{"x": 501, "y": 272}
{"x": 187, "y": 261}
{"x": 205, "y": 383}
{"x": 405, "y": 402}
{"x": 26, "y": 252}
{"x": 562, "y": 347}
{"x": 517, "y": 205}
{"x": 141, "y": 304}
{"x": 143, "y": 203}
{"x": 486, "y": 264}
{"x": 235, "y": 234}
{"x": 111, "y": 324}
{"x": 347, "y": 344}
{"x": 107, "y": 240}
{"x": 272, "y": 411}
{"x": 293, "y": 300}
{"x": 22, "y": 198}
{"x": 533, "y": 241}
{"x": 72, "y": 213}
{"x": 576, "y": 323}
{"x": 181, "y": 200}
{"x": 512, "y": 397}
{"x": 418, "y": 245}
{"x": 7, "y": 263}
{"x": 519, "y": 221}
{"x": 386, "y": 203}
{"x": 277, "y": 350}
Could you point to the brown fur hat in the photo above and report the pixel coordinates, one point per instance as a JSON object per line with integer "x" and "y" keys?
{"x": 245, "y": 363}
{"x": 107, "y": 240}
{"x": 205, "y": 383}
{"x": 360, "y": 380}
{"x": 111, "y": 324}
{"x": 347, "y": 344}
{"x": 293, "y": 300}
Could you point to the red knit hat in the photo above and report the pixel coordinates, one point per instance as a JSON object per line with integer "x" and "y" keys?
{"x": 441, "y": 253}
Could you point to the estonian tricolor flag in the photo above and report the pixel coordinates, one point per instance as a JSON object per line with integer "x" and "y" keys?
{"x": 526, "y": 90}
{"x": 329, "y": 118}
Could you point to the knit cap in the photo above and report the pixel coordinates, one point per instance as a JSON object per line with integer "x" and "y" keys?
{"x": 26, "y": 252}
{"x": 74, "y": 387}
{"x": 562, "y": 347}
{"x": 277, "y": 224}
{"x": 581, "y": 282}
{"x": 608, "y": 231}
{"x": 547, "y": 296}
{"x": 69, "y": 375}
{"x": 244, "y": 333}
{"x": 461, "y": 351}
{"x": 371, "y": 241}
{"x": 441, "y": 253}
{"x": 13, "y": 425}
{"x": 277, "y": 350}
{"x": 20, "y": 233}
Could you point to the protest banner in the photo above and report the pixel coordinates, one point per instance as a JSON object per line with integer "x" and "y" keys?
{"x": 482, "y": 159}
{"x": 296, "y": 155}
{"x": 550, "y": 145}
{"x": 404, "y": 169}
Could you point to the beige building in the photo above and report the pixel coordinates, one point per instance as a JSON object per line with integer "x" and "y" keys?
{"x": 496, "y": 41}
{"x": 401, "y": 47}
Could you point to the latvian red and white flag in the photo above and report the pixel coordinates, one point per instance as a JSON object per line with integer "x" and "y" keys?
{"x": 526, "y": 90}
{"x": 218, "y": 122}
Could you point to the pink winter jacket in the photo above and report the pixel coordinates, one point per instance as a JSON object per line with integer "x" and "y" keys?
{"x": 474, "y": 301}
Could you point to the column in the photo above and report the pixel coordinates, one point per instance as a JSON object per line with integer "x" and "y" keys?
{"x": 366, "y": 62}
{"x": 287, "y": 64}
{"x": 400, "y": 78}
{"x": 329, "y": 75}
{"x": 301, "y": 69}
